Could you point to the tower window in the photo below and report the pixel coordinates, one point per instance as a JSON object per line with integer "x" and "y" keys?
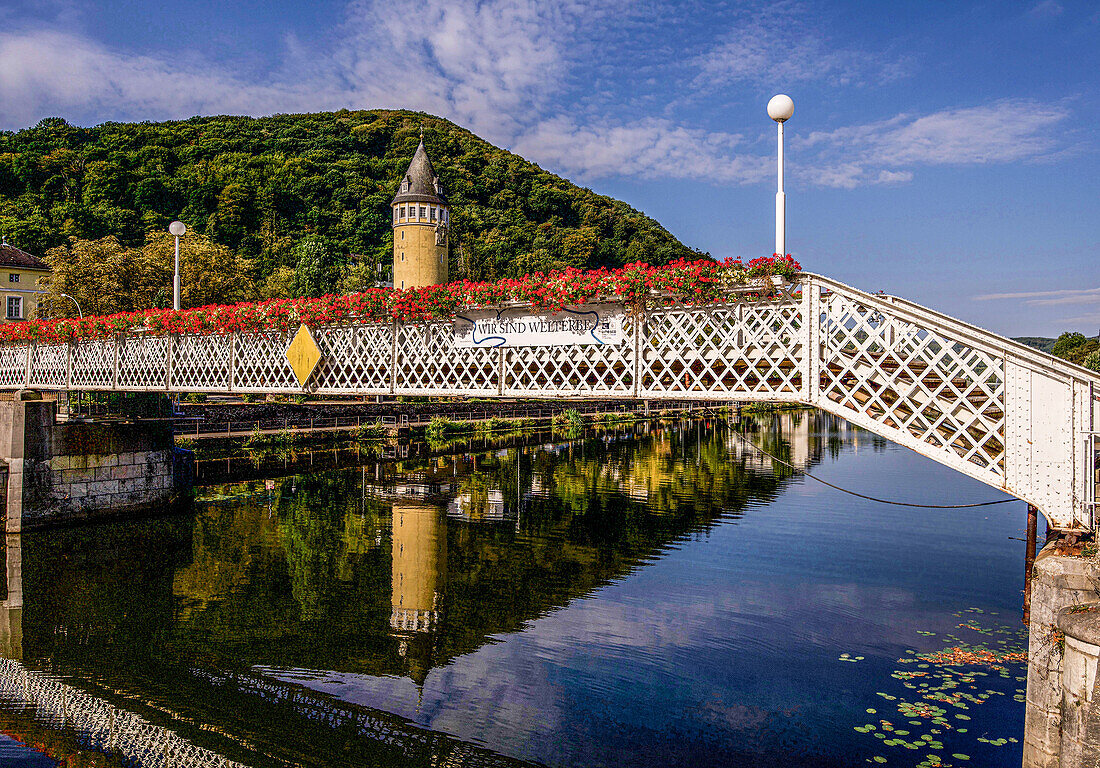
{"x": 423, "y": 213}
{"x": 431, "y": 214}
{"x": 13, "y": 277}
{"x": 402, "y": 211}
{"x": 402, "y": 234}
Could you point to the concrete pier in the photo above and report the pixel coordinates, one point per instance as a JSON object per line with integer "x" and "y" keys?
{"x": 1061, "y": 720}
{"x": 59, "y": 472}
{"x": 1080, "y": 627}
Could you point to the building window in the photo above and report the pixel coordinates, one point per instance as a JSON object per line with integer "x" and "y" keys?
{"x": 431, "y": 214}
{"x": 402, "y": 211}
{"x": 13, "y": 278}
{"x": 15, "y": 307}
{"x": 402, "y": 234}
{"x": 423, "y": 214}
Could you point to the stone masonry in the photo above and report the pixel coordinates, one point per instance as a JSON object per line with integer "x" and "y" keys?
{"x": 59, "y": 472}
{"x": 1058, "y": 582}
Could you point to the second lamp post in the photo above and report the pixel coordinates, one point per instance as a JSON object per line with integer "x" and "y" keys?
{"x": 177, "y": 228}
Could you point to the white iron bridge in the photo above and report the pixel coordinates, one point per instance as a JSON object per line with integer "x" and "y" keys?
{"x": 1001, "y": 412}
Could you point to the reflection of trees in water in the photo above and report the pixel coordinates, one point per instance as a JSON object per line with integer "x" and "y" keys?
{"x": 303, "y": 574}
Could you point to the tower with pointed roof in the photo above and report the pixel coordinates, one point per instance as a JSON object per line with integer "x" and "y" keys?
{"x": 421, "y": 219}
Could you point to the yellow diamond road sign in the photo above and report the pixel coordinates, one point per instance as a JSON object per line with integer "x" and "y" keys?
{"x": 303, "y": 354}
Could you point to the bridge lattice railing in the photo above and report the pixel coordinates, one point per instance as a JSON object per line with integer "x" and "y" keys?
{"x": 994, "y": 409}
{"x": 102, "y": 726}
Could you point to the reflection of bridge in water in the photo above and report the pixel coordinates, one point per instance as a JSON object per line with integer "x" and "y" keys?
{"x": 409, "y": 743}
{"x": 126, "y": 619}
{"x": 40, "y": 707}
{"x": 57, "y": 706}
{"x": 103, "y": 727}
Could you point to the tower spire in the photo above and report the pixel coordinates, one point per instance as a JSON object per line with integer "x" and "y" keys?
{"x": 420, "y": 220}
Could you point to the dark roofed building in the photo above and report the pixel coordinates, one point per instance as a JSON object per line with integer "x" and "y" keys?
{"x": 19, "y": 274}
{"x": 10, "y": 256}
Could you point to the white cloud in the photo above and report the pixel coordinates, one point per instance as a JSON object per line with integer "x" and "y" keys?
{"x": 83, "y": 76}
{"x": 1046, "y": 9}
{"x": 490, "y": 65}
{"x": 505, "y": 68}
{"x": 1004, "y": 131}
{"x": 1048, "y": 298}
{"x": 783, "y": 42}
{"x": 649, "y": 148}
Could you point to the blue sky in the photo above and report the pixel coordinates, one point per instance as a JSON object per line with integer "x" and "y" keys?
{"x": 943, "y": 151}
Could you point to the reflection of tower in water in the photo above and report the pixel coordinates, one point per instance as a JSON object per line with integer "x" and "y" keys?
{"x": 796, "y": 430}
{"x": 418, "y": 562}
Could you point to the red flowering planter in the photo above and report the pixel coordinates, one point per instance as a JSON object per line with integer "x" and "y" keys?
{"x": 691, "y": 282}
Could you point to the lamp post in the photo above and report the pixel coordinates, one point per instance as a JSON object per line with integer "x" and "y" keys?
{"x": 178, "y": 228}
{"x": 780, "y": 109}
{"x": 74, "y": 301}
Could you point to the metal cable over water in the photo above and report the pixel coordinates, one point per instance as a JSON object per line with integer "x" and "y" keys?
{"x": 863, "y": 495}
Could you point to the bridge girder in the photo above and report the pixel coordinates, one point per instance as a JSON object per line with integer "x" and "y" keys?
{"x": 996, "y": 410}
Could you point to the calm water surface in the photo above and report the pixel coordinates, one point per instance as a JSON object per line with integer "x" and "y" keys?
{"x": 661, "y": 597}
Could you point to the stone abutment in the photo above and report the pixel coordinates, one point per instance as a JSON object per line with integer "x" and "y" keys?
{"x": 58, "y": 472}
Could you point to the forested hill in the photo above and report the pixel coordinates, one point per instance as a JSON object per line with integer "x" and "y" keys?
{"x": 260, "y": 186}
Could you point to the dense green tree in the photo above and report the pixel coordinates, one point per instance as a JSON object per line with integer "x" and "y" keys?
{"x": 316, "y": 273}
{"x": 1075, "y": 347}
{"x": 1067, "y": 342}
{"x": 260, "y": 187}
{"x": 107, "y": 277}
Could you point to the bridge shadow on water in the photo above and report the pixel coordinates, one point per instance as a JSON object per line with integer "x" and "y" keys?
{"x": 225, "y": 632}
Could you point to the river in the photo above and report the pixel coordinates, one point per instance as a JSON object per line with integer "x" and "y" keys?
{"x": 651, "y": 595}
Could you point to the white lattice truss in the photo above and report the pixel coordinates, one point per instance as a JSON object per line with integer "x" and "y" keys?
{"x": 989, "y": 407}
{"x": 102, "y": 726}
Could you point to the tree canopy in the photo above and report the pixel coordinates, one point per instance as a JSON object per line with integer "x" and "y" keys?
{"x": 293, "y": 192}
{"x": 1077, "y": 348}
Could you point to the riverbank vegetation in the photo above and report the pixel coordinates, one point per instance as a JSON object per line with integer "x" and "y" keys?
{"x": 1071, "y": 345}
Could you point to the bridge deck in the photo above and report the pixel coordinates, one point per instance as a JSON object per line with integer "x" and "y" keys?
{"x": 996, "y": 410}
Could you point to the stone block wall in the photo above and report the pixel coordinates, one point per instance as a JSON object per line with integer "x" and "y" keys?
{"x": 77, "y": 470}
{"x": 1080, "y": 625}
{"x": 1058, "y": 581}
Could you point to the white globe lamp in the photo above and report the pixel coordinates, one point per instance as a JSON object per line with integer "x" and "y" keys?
{"x": 780, "y": 109}
{"x": 179, "y": 229}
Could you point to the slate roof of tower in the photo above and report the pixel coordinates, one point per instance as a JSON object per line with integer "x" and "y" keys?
{"x": 10, "y": 256}
{"x": 424, "y": 185}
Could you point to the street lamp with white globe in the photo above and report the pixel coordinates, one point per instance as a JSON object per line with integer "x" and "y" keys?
{"x": 178, "y": 228}
{"x": 780, "y": 109}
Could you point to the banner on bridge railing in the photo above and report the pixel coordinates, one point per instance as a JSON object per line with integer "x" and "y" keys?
{"x": 520, "y": 327}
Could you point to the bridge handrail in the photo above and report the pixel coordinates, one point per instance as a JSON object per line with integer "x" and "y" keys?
{"x": 986, "y": 340}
